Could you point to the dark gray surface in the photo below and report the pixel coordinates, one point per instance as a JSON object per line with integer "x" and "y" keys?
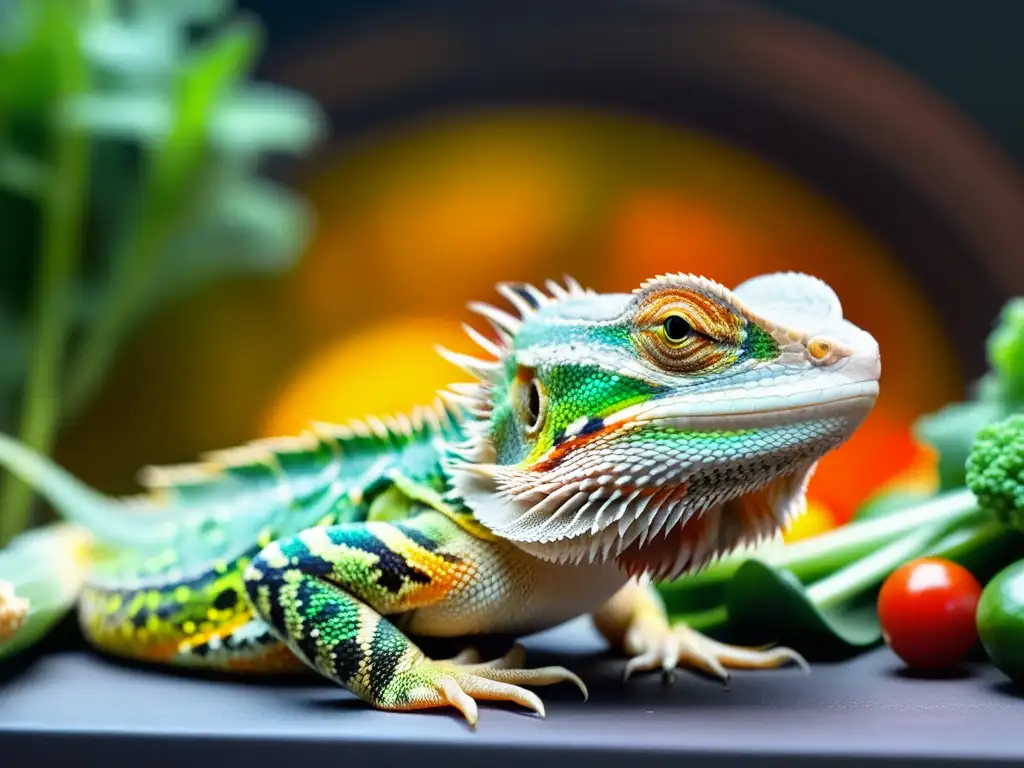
{"x": 107, "y": 714}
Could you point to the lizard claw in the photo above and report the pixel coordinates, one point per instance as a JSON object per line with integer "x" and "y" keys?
{"x": 669, "y": 647}
{"x": 450, "y": 682}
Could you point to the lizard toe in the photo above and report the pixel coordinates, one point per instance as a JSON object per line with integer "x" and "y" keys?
{"x": 445, "y": 683}
{"x": 670, "y": 648}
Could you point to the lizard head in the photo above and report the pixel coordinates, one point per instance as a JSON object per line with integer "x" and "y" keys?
{"x": 661, "y": 428}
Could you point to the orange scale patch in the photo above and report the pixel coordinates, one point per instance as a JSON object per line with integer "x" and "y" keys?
{"x": 445, "y": 574}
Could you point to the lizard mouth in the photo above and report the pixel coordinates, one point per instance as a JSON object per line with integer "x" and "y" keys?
{"x": 740, "y": 409}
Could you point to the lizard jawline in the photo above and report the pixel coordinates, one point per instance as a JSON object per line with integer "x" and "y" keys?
{"x": 674, "y": 532}
{"x": 747, "y": 520}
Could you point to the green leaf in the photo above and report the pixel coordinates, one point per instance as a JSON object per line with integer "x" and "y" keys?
{"x": 249, "y": 227}
{"x": 208, "y": 79}
{"x": 47, "y": 567}
{"x": 269, "y": 119}
{"x": 770, "y": 605}
{"x": 836, "y": 616}
{"x": 27, "y": 31}
{"x": 132, "y": 50}
{"x": 989, "y": 388}
{"x": 143, "y": 116}
{"x": 172, "y": 178}
{"x": 33, "y": 40}
{"x": 257, "y": 120}
{"x": 951, "y": 431}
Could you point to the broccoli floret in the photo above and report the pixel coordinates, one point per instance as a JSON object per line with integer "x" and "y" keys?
{"x": 1006, "y": 350}
{"x": 995, "y": 470}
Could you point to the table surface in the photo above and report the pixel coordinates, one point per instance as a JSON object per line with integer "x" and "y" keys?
{"x": 72, "y": 704}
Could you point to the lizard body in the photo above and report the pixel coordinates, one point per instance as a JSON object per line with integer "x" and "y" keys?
{"x": 607, "y": 439}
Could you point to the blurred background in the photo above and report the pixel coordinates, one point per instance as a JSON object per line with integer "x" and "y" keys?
{"x": 221, "y": 220}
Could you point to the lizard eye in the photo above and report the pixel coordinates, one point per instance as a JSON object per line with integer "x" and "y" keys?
{"x": 687, "y": 332}
{"x": 676, "y": 329}
{"x": 532, "y": 405}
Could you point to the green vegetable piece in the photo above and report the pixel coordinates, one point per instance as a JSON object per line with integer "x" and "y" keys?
{"x": 995, "y": 470}
{"x": 951, "y": 432}
{"x": 890, "y": 502}
{"x": 835, "y": 617}
{"x": 28, "y": 573}
{"x": 1006, "y": 350}
{"x": 770, "y": 605}
{"x": 1000, "y": 621}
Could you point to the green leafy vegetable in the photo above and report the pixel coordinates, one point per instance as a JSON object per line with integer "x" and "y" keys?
{"x": 951, "y": 430}
{"x": 890, "y": 501}
{"x": 1006, "y": 352}
{"x": 835, "y": 617}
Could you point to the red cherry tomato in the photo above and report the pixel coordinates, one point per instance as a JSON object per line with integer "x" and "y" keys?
{"x": 927, "y": 611}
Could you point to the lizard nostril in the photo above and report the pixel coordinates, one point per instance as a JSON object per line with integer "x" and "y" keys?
{"x": 821, "y": 350}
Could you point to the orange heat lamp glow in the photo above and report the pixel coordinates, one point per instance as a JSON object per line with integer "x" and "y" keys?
{"x": 396, "y": 371}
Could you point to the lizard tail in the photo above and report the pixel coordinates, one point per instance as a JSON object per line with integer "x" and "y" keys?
{"x": 109, "y": 519}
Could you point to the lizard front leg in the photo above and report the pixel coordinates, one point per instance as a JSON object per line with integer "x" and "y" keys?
{"x": 634, "y": 622}
{"x": 327, "y": 591}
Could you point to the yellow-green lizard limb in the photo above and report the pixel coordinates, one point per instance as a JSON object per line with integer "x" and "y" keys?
{"x": 338, "y": 596}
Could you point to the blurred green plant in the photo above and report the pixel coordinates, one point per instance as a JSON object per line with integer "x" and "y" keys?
{"x": 998, "y": 394}
{"x": 130, "y": 139}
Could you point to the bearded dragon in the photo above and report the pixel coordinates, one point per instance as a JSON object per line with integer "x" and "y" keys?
{"x": 605, "y": 441}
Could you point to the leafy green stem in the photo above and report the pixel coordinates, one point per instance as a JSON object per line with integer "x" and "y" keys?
{"x": 960, "y": 543}
{"x": 822, "y": 555}
{"x": 854, "y": 579}
{"x": 64, "y": 200}
{"x": 174, "y": 174}
{"x": 132, "y": 270}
